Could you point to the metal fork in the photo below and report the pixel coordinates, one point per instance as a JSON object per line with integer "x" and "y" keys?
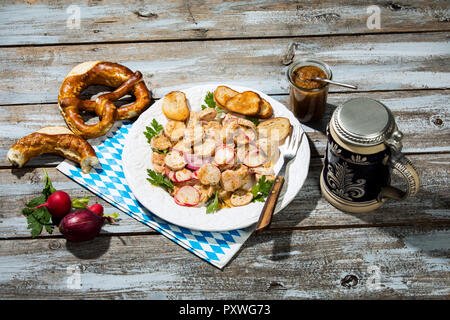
{"x": 288, "y": 151}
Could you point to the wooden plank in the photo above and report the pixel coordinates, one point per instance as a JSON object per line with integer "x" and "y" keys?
{"x": 308, "y": 210}
{"x": 423, "y": 117}
{"x": 47, "y": 22}
{"x": 388, "y": 62}
{"x": 404, "y": 263}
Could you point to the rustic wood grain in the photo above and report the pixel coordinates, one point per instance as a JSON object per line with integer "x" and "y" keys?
{"x": 411, "y": 262}
{"x": 308, "y": 210}
{"x": 49, "y": 22}
{"x": 388, "y": 62}
{"x": 426, "y": 109}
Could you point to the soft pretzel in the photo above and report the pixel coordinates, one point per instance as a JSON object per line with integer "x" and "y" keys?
{"x": 107, "y": 74}
{"x": 55, "y": 140}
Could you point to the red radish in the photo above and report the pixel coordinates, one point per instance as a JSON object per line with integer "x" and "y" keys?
{"x": 224, "y": 155}
{"x": 187, "y": 196}
{"x": 183, "y": 175}
{"x": 170, "y": 174}
{"x": 58, "y": 204}
{"x": 255, "y": 158}
{"x": 195, "y": 162}
{"x": 81, "y": 225}
{"x": 97, "y": 208}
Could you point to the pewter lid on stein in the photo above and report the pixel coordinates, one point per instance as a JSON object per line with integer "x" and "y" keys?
{"x": 366, "y": 122}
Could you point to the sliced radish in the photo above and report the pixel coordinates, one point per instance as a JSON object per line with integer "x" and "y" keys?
{"x": 255, "y": 158}
{"x": 224, "y": 155}
{"x": 183, "y": 175}
{"x": 187, "y": 196}
{"x": 195, "y": 174}
{"x": 170, "y": 174}
{"x": 195, "y": 162}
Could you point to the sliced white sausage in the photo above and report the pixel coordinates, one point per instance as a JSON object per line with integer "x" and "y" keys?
{"x": 193, "y": 135}
{"x": 241, "y": 198}
{"x": 183, "y": 175}
{"x": 224, "y": 155}
{"x": 229, "y": 119}
{"x": 243, "y": 150}
{"x": 231, "y": 180}
{"x": 247, "y": 183}
{"x": 206, "y": 149}
{"x": 182, "y": 146}
{"x": 158, "y": 162}
{"x": 213, "y": 130}
{"x": 193, "y": 120}
{"x": 270, "y": 148}
{"x": 208, "y": 114}
{"x": 262, "y": 171}
{"x": 229, "y": 133}
{"x": 174, "y": 130}
{"x": 255, "y": 158}
{"x": 175, "y": 160}
{"x": 209, "y": 174}
{"x": 245, "y": 135}
{"x": 160, "y": 142}
{"x": 206, "y": 191}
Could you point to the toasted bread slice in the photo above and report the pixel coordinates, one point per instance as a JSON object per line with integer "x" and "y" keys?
{"x": 174, "y": 106}
{"x": 276, "y": 129}
{"x": 265, "y": 110}
{"x": 222, "y": 94}
{"x": 246, "y": 103}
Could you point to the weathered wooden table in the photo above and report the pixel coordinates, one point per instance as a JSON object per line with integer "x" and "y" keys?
{"x": 311, "y": 250}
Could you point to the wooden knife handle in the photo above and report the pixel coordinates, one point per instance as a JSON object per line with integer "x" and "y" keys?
{"x": 266, "y": 214}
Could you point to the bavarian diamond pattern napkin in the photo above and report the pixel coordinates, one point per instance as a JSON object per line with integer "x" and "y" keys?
{"x": 108, "y": 182}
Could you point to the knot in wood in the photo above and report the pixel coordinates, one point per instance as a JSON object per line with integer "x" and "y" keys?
{"x": 54, "y": 245}
{"x": 349, "y": 281}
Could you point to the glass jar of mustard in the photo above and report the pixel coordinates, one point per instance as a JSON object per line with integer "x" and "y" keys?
{"x": 308, "y": 98}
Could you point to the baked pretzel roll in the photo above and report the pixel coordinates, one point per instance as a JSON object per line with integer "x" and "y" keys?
{"x": 107, "y": 74}
{"x": 54, "y": 140}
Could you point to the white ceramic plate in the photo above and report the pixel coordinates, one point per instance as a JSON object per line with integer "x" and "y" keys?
{"x": 136, "y": 159}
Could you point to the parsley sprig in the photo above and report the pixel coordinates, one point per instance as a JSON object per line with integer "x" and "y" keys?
{"x": 152, "y": 131}
{"x": 210, "y": 103}
{"x": 159, "y": 180}
{"x": 213, "y": 203}
{"x": 39, "y": 218}
{"x": 255, "y": 121}
{"x": 261, "y": 190}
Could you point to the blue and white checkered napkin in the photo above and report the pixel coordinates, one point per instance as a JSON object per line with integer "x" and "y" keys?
{"x": 108, "y": 182}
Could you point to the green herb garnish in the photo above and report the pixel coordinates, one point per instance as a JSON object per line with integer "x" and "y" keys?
{"x": 261, "y": 190}
{"x": 160, "y": 151}
{"x": 255, "y": 121}
{"x": 39, "y": 218}
{"x": 213, "y": 204}
{"x": 159, "y": 180}
{"x": 80, "y": 203}
{"x": 154, "y": 130}
{"x": 209, "y": 100}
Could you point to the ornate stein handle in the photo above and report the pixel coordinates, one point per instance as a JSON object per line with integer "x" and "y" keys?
{"x": 408, "y": 172}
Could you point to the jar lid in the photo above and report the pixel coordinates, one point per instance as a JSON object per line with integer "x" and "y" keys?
{"x": 366, "y": 122}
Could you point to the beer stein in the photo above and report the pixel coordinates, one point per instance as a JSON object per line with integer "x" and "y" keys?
{"x": 364, "y": 146}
